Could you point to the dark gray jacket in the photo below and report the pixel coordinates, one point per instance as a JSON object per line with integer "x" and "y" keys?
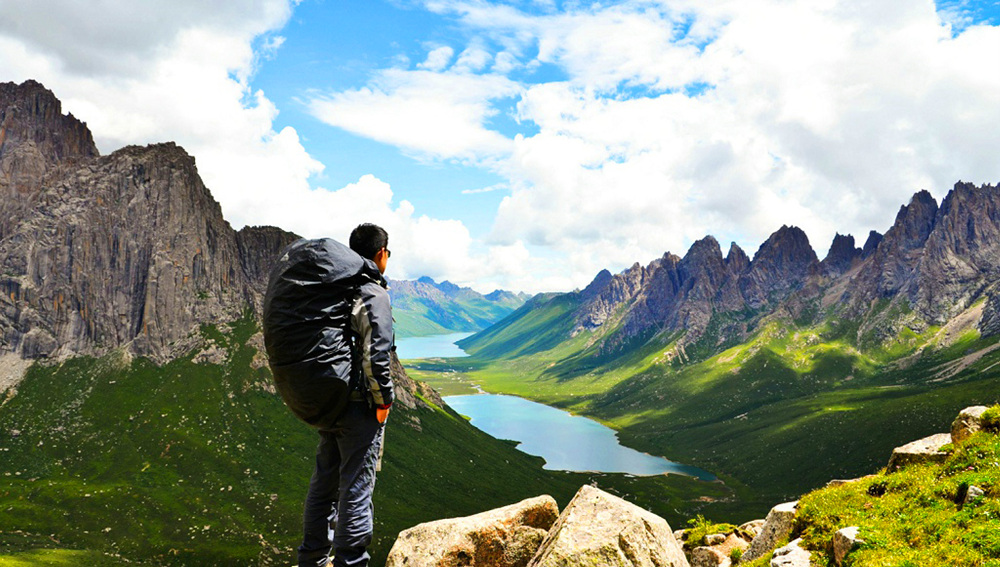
{"x": 322, "y": 301}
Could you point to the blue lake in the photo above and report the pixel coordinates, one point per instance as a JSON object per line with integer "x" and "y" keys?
{"x": 429, "y": 347}
{"x": 566, "y": 442}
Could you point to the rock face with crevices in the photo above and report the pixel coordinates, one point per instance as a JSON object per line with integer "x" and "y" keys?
{"x": 99, "y": 252}
{"x": 597, "y": 528}
{"x": 505, "y": 537}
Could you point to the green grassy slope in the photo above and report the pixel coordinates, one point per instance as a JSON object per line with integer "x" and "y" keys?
{"x": 110, "y": 461}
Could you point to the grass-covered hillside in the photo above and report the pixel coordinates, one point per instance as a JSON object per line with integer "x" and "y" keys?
{"x": 114, "y": 461}
{"x": 797, "y": 404}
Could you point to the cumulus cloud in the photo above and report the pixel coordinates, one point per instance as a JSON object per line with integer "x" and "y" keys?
{"x": 733, "y": 118}
{"x": 437, "y": 115}
{"x": 438, "y": 59}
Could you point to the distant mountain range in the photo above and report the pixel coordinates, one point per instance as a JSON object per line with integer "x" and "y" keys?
{"x": 424, "y": 307}
{"x": 931, "y": 266}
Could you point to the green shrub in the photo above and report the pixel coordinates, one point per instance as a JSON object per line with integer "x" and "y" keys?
{"x": 735, "y": 554}
{"x": 701, "y": 528}
{"x": 991, "y": 419}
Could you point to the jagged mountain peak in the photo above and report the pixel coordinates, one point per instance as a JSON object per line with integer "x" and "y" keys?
{"x": 737, "y": 260}
{"x": 783, "y": 260}
{"x": 842, "y": 255}
{"x": 31, "y": 114}
{"x": 600, "y": 281}
{"x": 874, "y": 238}
{"x": 706, "y": 249}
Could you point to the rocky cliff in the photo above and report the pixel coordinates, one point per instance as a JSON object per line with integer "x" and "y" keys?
{"x": 99, "y": 252}
{"x": 933, "y": 263}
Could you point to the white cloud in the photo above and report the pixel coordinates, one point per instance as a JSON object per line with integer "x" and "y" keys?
{"x": 473, "y": 59}
{"x": 436, "y": 115}
{"x": 438, "y": 59}
{"x": 827, "y": 115}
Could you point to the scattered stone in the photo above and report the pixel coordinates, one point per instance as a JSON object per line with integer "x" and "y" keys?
{"x": 505, "y": 537}
{"x": 752, "y": 528}
{"x": 791, "y": 555}
{"x": 211, "y": 354}
{"x": 777, "y": 525}
{"x": 715, "y": 539}
{"x": 973, "y": 493}
{"x": 968, "y": 422}
{"x": 680, "y": 535}
{"x": 926, "y": 450}
{"x": 718, "y": 555}
{"x": 844, "y": 541}
{"x": 601, "y": 529}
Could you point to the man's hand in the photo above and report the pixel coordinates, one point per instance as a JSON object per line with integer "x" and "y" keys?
{"x": 381, "y": 414}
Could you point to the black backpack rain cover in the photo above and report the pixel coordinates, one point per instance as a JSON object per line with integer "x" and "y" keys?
{"x": 307, "y": 326}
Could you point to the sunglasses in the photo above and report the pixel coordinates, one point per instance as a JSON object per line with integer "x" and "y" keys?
{"x": 388, "y": 253}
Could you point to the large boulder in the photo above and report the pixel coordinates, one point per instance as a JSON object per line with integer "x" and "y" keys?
{"x": 777, "y": 526}
{"x": 968, "y": 422}
{"x": 597, "y": 528}
{"x": 505, "y": 537}
{"x": 926, "y": 450}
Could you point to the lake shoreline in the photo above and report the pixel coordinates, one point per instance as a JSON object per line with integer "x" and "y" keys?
{"x": 596, "y": 452}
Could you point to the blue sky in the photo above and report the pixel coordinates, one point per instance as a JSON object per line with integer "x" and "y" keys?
{"x": 528, "y": 144}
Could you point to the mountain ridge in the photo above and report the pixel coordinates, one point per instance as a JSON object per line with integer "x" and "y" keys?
{"x": 426, "y": 307}
{"x": 938, "y": 259}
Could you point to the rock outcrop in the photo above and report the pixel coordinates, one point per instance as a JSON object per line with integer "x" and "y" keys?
{"x": 969, "y": 421}
{"x": 777, "y": 526}
{"x": 923, "y": 450}
{"x": 597, "y": 528}
{"x": 505, "y": 537}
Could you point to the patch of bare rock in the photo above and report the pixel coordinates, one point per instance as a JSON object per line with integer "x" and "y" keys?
{"x": 601, "y": 530}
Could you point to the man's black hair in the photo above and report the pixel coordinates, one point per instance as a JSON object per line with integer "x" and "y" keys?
{"x": 367, "y": 239}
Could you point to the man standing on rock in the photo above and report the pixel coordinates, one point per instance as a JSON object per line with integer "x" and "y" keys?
{"x": 328, "y": 333}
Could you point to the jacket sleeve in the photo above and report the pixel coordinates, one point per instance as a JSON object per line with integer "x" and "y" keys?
{"x": 371, "y": 319}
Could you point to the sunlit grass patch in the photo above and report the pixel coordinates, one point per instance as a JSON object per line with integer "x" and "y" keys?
{"x": 917, "y": 515}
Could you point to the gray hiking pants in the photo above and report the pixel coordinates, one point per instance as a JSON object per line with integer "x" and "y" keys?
{"x": 338, "y": 510}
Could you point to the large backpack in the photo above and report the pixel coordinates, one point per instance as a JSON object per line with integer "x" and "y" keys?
{"x": 307, "y": 326}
